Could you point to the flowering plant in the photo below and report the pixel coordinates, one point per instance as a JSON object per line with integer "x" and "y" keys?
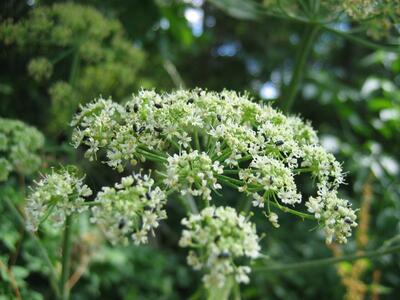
{"x": 19, "y": 146}
{"x": 198, "y": 142}
{"x": 74, "y": 52}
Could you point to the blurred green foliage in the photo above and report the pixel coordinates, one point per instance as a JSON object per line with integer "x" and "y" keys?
{"x": 57, "y": 55}
{"x": 73, "y": 54}
{"x": 19, "y": 145}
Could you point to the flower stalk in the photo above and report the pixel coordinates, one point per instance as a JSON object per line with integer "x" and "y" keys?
{"x": 39, "y": 246}
{"x": 66, "y": 259}
{"x": 303, "y": 53}
{"x": 329, "y": 261}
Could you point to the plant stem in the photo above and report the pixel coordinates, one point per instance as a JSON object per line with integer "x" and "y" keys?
{"x": 66, "y": 258}
{"x": 196, "y": 139}
{"x": 75, "y": 66}
{"x": 235, "y": 183}
{"x": 301, "y": 57}
{"x": 151, "y": 156}
{"x": 174, "y": 74}
{"x": 364, "y": 42}
{"x": 40, "y": 247}
{"x": 221, "y": 293}
{"x": 231, "y": 171}
{"x": 292, "y": 211}
{"x": 329, "y": 261}
{"x": 191, "y": 204}
{"x": 11, "y": 279}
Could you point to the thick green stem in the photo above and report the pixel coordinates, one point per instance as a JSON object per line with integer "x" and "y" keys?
{"x": 221, "y": 293}
{"x": 329, "y": 261}
{"x": 299, "y": 67}
{"x": 66, "y": 258}
{"x": 231, "y": 171}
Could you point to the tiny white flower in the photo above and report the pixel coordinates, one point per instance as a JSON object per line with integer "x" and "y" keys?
{"x": 273, "y": 218}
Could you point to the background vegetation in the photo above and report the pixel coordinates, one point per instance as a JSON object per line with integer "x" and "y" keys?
{"x": 333, "y": 66}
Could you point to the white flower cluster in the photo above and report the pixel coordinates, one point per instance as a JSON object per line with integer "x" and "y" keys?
{"x": 133, "y": 207}
{"x": 56, "y": 196}
{"x": 193, "y": 173}
{"x": 335, "y": 213}
{"x": 218, "y": 237}
{"x": 273, "y": 177}
{"x": 323, "y": 166}
{"x": 196, "y": 135}
{"x": 19, "y": 144}
{"x": 99, "y": 119}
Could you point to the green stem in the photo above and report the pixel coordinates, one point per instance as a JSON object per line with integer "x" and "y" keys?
{"x": 236, "y": 183}
{"x": 175, "y": 144}
{"x": 174, "y": 74}
{"x": 196, "y": 139}
{"x": 75, "y": 66}
{"x": 227, "y": 183}
{"x": 231, "y": 171}
{"x": 191, "y": 204}
{"x": 152, "y": 156}
{"x": 221, "y": 293}
{"x": 364, "y": 42}
{"x": 236, "y": 291}
{"x": 247, "y": 205}
{"x": 40, "y": 247}
{"x": 291, "y": 211}
{"x": 66, "y": 258}
{"x": 299, "y": 67}
{"x": 225, "y": 154}
{"x": 329, "y": 261}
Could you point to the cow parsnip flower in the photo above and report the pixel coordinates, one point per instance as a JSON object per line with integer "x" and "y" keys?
{"x": 19, "y": 146}
{"x": 335, "y": 213}
{"x": 193, "y": 173}
{"x": 218, "y": 237}
{"x": 132, "y": 207}
{"x": 273, "y": 177}
{"x": 56, "y": 196}
{"x": 202, "y": 140}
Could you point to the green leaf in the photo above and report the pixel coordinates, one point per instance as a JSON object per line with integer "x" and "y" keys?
{"x": 19, "y": 272}
{"x": 378, "y": 104}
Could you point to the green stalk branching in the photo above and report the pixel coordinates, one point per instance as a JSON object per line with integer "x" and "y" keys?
{"x": 236, "y": 183}
{"x": 329, "y": 261}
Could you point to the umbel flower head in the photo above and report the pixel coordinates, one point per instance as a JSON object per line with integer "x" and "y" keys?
{"x": 202, "y": 140}
{"x": 56, "y": 196}
{"x": 19, "y": 144}
{"x": 85, "y": 38}
{"x": 193, "y": 173}
{"x": 133, "y": 207}
{"x": 218, "y": 237}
